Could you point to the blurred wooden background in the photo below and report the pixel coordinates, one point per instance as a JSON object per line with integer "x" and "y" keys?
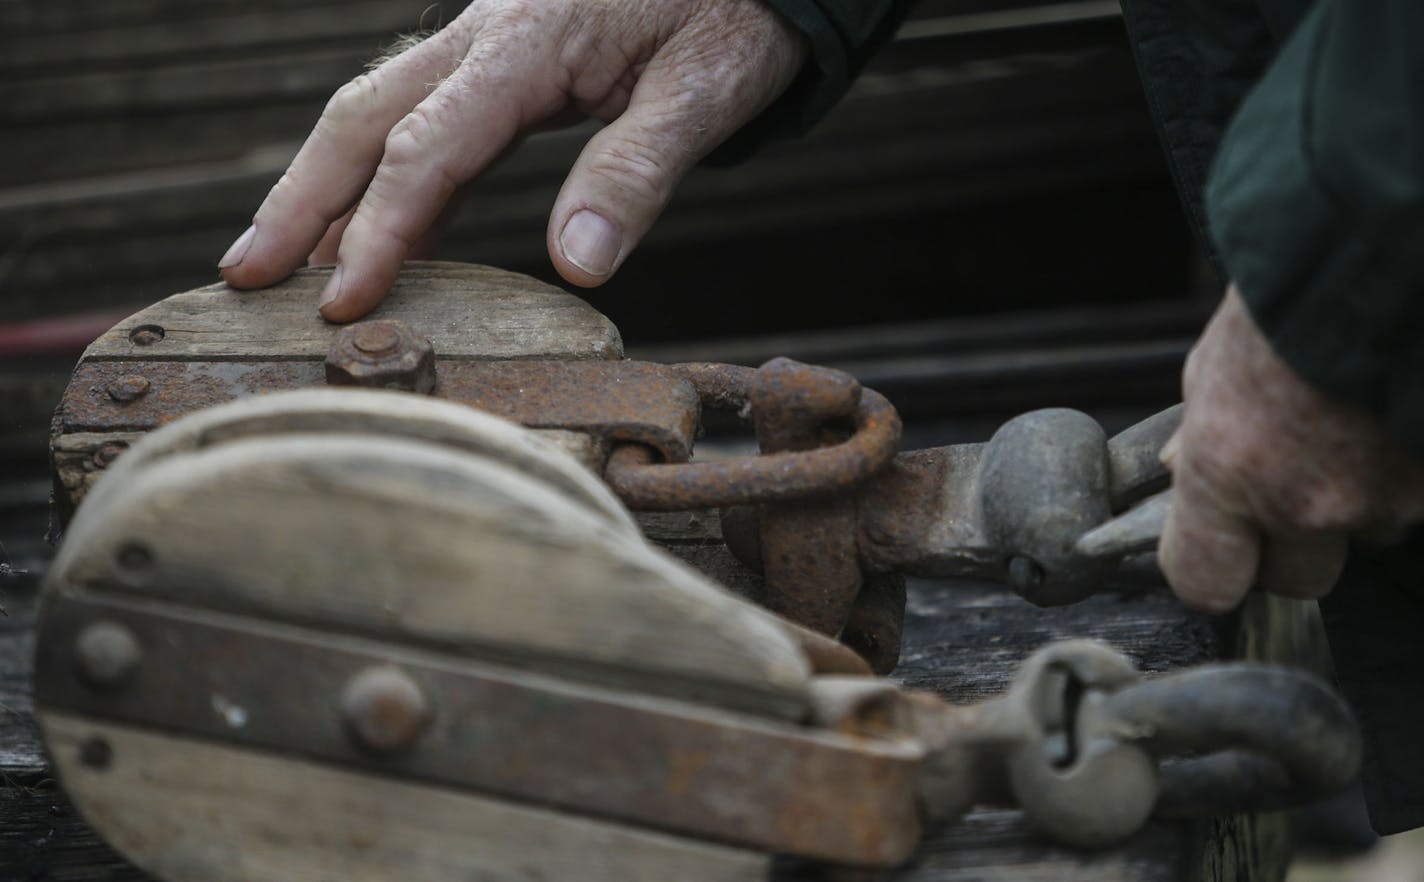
{"x": 996, "y": 162}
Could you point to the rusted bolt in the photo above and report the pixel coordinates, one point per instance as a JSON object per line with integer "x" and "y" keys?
{"x": 108, "y": 654}
{"x": 107, "y": 453}
{"x": 384, "y": 709}
{"x": 146, "y": 335}
{"x": 375, "y": 338}
{"x": 130, "y": 387}
{"x": 383, "y": 354}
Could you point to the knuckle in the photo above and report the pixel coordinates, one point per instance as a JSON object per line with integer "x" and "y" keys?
{"x": 414, "y": 138}
{"x": 353, "y": 101}
{"x": 637, "y": 169}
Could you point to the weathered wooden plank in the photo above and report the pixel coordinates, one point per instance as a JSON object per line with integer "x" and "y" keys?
{"x": 46, "y": 152}
{"x": 903, "y": 134}
{"x": 999, "y": 846}
{"x": 1152, "y": 628}
{"x": 467, "y": 311}
{"x": 250, "y": 31}
{"x": 78, "y": 18}
{"x": 167, "y": 89}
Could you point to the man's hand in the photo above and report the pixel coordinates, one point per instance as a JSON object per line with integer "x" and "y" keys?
{"x": 1271, "y": 477}
{"x": 676, "y": 77}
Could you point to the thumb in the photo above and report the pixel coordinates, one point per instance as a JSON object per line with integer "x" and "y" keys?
{"x": 686, "y": 102}
{"x": 1209, "y": 550}
{"x": 616, "y": 189}
{"x": 623, "y": 180}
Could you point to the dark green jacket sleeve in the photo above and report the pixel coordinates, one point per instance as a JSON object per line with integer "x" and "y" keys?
{"x": 1316, "y": 205}
{"x": 841, "y": 36}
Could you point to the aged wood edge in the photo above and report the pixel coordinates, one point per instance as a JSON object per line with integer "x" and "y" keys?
{"x": 1001, "y": 845}
{"x": 43, "y": 837}
{"x": 79, "y": 459}
{"x": 1241, "y": 848}
{"x": 568, "y": 327}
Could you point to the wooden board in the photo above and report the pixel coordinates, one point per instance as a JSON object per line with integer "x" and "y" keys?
{"x": 467, "y": 311}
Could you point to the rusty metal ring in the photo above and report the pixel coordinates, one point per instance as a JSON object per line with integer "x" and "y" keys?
{"x": 647, "y": 485}
{"x": 1262, "y": 737}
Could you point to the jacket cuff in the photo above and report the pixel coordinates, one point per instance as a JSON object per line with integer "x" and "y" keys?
{"x": 1318, "y": 214}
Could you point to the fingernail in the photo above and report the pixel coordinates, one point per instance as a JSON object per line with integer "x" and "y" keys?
{"x": 591, "y": 243}
{"x": 238, "y": 249}
{"x": 332, "y": 289}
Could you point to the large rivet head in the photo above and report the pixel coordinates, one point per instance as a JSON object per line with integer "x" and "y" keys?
{"x": 129, "y": 387}
{"x": 384, "y": 709}
{"x": 383, "y": 354}
{"x": 108, "y": 654}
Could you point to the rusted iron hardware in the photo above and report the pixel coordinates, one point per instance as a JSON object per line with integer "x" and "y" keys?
{"x": 829, "y": 513}
{"x": 1086, "y": 746}
{"x": 382, "y": 354}
{"x": 509, "y": 636}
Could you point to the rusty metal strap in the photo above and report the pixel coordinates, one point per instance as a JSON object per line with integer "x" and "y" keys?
{"x": 621, "y": 401}
{"x": 644, "y": 484}
{"x": 355, "y": 702}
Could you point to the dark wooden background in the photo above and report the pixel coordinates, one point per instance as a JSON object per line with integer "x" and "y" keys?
{"x": 988, "y": 205}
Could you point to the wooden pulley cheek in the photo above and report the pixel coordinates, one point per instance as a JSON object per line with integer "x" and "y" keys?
{"x": 213, "y": 345}
{"x": 563, "y": 459}
{"x": 266, "y": 653}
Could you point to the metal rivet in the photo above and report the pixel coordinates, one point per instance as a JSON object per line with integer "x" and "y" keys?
{"x": 96, "y": 753}
{"x": 108, "y": 653}
{"x": 1025, "y": 575}
{"x": 384, "y": 709}
{"x": 128, "y": 388}
{"x": 374, "y": 338}
{"x": 107, "y": 453}
{"x": 381, "y": 354}
{"x": 146, "y": 335}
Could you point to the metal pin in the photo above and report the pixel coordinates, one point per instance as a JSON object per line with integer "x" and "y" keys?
{"x": 130, "y": 387}
{"x": 108, "y": 654}
{"x": 384, "y": 709}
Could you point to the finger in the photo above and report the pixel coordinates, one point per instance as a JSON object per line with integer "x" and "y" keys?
{"x": 1304, "y": 567}
{"x": 616, "y": 189}
{"x": 336, "y": 162}
{"x": 324, "y": 254}
{"x": 627, "y": 172}
{"x": 425, "y": 247}
{"x": 1209, "y": 550}
{"x": 443, "y": 142}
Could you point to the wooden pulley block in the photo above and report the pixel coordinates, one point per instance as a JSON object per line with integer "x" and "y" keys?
{"x": 367, "y": 635}
{"x": 324, "y": 651}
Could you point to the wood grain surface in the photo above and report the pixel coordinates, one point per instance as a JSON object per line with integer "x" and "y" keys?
{"x": 466, "y": 310}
